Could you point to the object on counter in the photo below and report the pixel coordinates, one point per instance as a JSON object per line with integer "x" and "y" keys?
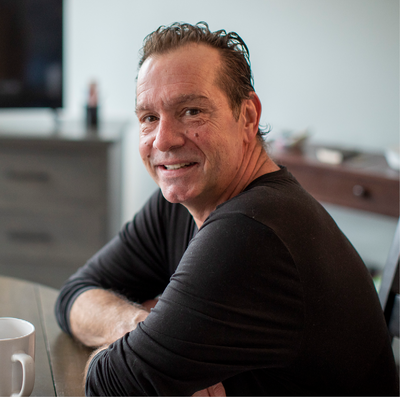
{"x": 289, "y": 139}
{"x": 92, "y": 119}
{"x": 334, "y": 155}
{"x": 392, "y": 155}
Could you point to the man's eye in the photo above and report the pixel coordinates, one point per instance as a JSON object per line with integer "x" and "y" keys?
{"x": 149, "y": 119}
{"x": 192, "y": 112}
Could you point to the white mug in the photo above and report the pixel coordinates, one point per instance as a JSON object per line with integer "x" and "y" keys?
{"x": 17, "y": 357}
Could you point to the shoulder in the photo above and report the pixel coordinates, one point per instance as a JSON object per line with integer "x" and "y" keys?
{"x": 269, "y": 199}
{"x": 281, "y": 205}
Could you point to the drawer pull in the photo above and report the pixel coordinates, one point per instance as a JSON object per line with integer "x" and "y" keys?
{"x": 360, "y": 191}
{"x": 22, "y": 236}
{"x": 28, "y": 176}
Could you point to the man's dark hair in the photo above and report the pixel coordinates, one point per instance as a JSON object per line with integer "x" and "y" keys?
{"x": 235, "y": 77}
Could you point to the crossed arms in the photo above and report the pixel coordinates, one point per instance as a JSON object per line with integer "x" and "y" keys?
{"x": 206, "y": 328}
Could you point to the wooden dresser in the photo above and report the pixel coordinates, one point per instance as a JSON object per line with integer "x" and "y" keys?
{"x": 364, "y": 181}
{"x": 60, "y": 199}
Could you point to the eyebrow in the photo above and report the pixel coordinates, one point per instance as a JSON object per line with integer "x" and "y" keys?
{"x": 181, "y": 99}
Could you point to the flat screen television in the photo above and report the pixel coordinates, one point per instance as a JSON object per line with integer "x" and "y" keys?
{"x": 31, "y": 53}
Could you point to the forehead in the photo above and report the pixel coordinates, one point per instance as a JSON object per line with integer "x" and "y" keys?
{"x": 189, "y": 70}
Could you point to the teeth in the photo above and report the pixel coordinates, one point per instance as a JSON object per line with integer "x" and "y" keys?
{"x": 176, "y": 166}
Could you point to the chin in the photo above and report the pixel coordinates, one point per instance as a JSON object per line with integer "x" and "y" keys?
{"x": 176, "y": 197}
{"x": 171, "y": 197}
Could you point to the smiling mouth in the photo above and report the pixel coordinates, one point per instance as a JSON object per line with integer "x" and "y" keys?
{"x": 177, "y": 166}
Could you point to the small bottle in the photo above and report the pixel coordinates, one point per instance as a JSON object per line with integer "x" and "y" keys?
{"x": 92, "y": 107}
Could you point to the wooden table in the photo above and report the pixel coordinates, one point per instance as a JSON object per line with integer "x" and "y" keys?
{"x": 364, "y": 181}
{"x": 59, "y": 360}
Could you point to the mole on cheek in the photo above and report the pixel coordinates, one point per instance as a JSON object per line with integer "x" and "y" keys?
{"x": 196, "y": 135}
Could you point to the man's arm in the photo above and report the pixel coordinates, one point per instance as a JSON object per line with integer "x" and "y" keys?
{"x": 94, "y": 332}
{"x": 99, "y": 317}
{"x": 217, "y": 390}
{"x": 136, "y": 264}
{"x": 218, "y": 318}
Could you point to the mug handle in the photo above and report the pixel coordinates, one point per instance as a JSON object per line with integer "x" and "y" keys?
{"x": 28, "y": 373}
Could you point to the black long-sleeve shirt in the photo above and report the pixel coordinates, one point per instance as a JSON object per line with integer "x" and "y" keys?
{"x": 268, "y": 297}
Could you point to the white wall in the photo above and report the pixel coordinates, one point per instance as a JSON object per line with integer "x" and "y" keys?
{"x": 331, "y": 65}
{"x": 328, "y": 65}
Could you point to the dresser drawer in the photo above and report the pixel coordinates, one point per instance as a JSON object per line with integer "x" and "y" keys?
{"x": 60, "y": 193}
{"x": 363, "y": 181}
{"x": 32, "y": 234}
{"x": 355, "y": 191}
{"x": 51, "y": 271}
{"x": 44, "y": 180}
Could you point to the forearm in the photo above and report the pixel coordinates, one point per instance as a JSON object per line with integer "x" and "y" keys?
{"x": 215, "y": 390}
{"x": 99, "y": 317}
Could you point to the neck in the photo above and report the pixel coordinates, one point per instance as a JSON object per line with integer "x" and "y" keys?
{"x": 255, "y": 164}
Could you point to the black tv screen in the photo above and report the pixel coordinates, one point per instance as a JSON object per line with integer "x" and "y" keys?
{"x": 31, "y": 49}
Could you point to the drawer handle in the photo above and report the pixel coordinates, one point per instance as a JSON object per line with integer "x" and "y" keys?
{"x": 28, "y": 176}
{"x": 23, "y": 236}
{"x": 360, "y": 191}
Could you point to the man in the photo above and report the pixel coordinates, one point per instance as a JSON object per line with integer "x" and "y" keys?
{"x": 259, "y": 291}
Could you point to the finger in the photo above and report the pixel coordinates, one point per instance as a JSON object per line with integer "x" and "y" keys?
{"x": 201, "y": 393}
{"x": 217, "y": 390}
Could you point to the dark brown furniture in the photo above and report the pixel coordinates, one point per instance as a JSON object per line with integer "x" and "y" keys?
{"x": 59, "y": 361}
{"x": 364, "y": 181}
{"x": 60, "y": 198}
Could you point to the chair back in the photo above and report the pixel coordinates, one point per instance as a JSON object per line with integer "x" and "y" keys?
{"x": 389, "y": 289}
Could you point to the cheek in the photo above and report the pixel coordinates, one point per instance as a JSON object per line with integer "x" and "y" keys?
{"x": 145, "y": 154}
{"x": 217, "y": 142}
{"x": 145, "y": 145}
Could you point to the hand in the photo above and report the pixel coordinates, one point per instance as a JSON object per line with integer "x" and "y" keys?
{"x": 216, "y": 390}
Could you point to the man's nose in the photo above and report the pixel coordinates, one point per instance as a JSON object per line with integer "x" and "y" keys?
{"x": 169, "y": 135}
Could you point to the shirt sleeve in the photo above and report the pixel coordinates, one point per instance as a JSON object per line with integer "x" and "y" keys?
{"x": 134, "y": 264}
{"x": 234, "y": 304}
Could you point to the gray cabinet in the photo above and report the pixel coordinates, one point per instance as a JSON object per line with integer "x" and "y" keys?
{"x": 60, "y": 199}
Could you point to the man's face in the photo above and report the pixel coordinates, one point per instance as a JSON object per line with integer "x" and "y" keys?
{"x": 190, "y": 142}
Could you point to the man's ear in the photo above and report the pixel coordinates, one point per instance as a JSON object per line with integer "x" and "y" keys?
{"x": 251, "y": 111}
